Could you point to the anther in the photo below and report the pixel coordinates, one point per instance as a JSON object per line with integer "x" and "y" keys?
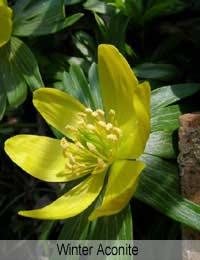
{"x": 91, "y": 147}
{"x": 102, "y": 124}
{"x": 64, "y": 143}
{"x": 79, "y": 145}
{"x": 81, "y": 123}
{"x": 91, "y": 127}
{"x": 81, "y": 114}
{"x": 88, "y": 111}
{"x": 71, "y": 128}
{"x": 71, "y": 159}
{"x": 112, "y": 137}
{"x": 112, "y": 112}
{"x": 109, "y": 126}
{"x": 100, "y": 113}
{"x": 94, "y": 114}
{"x": 69, "y": 166}
{"x": 117, "y": 130}
{"x": 101, "y": 163}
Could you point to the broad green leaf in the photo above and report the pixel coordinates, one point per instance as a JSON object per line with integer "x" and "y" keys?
{"x": 26, "y": 63}
{"x": 40, "y": 17}
{"x": 167, "y": 95}
{"x": 11, "y": 79}
{"x": 118, "y": 23}
{"x": 158, "y": 188}
{"x": 165, "y": 118}
{"x": 86, "y": 45}
{"x": 94, "y": 86}
{"x": 102, "y": 25}
{"x": 75, "y": 83}
{"x": 96, "y": 6}
{"x": 76, "y": 228}
{"x": 164, "y": 72}
{"x": 18, "y": 68}
{"x": 116, "y": 227}
{"x": 160, "y": 143}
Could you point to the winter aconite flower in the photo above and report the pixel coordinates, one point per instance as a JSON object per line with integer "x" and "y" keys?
{"x": 5, "y": 22}
{"x": 101, "y": 142}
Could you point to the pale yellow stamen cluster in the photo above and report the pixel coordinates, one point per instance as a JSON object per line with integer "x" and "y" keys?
{"x": 96, "y": 140}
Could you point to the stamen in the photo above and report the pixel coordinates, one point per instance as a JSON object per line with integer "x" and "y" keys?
{"x": 79, "y": 145}
{"x": 117, "y": 131}
{"x": 102, "y": 124}
{"x": 95, "y": 142}
{"x": 112, "y": 137}
{"x": 91, "y": 127}
{"x": 72, "y": 160}
{"x": 94, "y": 114}
{"x": 100, "y": 113}
{"x": 88, "y": 111}
{"x": 81, "y": 123}
{"x": 109, "y": 126}
{"x": 91, "y": 147}
{"x": 101, "y": 165}
{"x": 112, "y": 115}
{"x": 68, "y": 166}
{"x": 112, "y": 112}
{"x": 64, "y": 144}
{"x": 81, "y": 114}
{"x": 79, "y": 166}
{"x": 71, "y": 128}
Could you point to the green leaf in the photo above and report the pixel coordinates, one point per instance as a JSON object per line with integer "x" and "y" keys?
{"x": 96, "y": 6}
{"x": 40, "y": 17}
{"x": 95, "y": 86}
{"x": 163, "y": 8}
{"x": 158, "y": 188}
{"x": 26, "y": 63}
{"x": 164, "y": 72}
{"x": 46, "y": 230}
{"x": 160, "y": 143}
{"x": 76, "y": 228}
{"x": 75, "y": 83}
{"x": 11, "y": 79}
{"x": 18, "y": 68}
{"x": 116, "y": 227}
{"x": 2, "y": 101}
{"x": 165, "y": 118}
{"x": 167, "y": 95}
{"x": 72, "y": 2}
{"x": 86, "y": 45}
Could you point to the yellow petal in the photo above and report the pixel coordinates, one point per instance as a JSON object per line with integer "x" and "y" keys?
{"x": 122, "y": 183}
{"x": 117, "y": 81}
{"x": 40, "y": 156}
{"x": 136, "y": 131}
{"x": 5, "y": 23}
{"x": 3, "y": 2}
{"x": 72, "y": 203}
{"x": 58, "y": 108}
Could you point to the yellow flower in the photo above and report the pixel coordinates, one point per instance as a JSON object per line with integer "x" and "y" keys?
{"x": 102, "y": 142}
{"x": 5, "y": 23}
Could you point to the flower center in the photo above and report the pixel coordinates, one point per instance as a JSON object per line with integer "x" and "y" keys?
{"x": 96, "y": 141}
